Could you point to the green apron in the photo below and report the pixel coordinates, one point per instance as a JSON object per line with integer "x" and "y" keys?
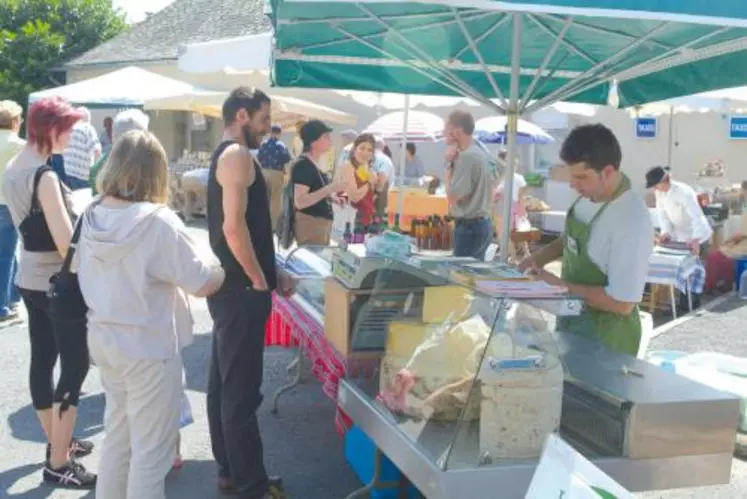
{"x": 618, "y": 332}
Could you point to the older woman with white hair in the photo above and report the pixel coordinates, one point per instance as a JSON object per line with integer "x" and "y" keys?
{"x": 126, "y": 121}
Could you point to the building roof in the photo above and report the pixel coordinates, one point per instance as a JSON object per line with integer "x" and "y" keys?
{"x": 160, "y": 36}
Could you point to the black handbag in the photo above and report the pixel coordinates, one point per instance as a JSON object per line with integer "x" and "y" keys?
{"x": 66, "y": 303}
{"x": 34, "y": 230}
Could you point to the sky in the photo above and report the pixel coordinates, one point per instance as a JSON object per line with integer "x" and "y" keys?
{"x": 136, "y": 9}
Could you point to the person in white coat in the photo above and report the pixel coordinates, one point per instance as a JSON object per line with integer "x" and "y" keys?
{"x": 681, "y": 217}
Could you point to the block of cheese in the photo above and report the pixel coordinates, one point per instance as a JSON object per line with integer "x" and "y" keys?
{"x": 405, "y": 337}
{"x": 446, "y": 303}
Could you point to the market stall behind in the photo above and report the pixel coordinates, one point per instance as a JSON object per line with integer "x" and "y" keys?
{"x": 407, "y": 198}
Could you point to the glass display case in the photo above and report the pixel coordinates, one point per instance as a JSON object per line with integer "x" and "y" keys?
{"x": 472, "y": 379}
{"x": 310, "y": 265}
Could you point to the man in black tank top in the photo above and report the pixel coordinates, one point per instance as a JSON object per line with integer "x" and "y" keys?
{"x": 241, "y": 236}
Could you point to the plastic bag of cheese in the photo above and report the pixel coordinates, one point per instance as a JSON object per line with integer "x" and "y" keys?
{"x": 563, "y": 473}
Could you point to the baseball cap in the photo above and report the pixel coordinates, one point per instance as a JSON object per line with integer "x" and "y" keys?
{"x": 313, "y": 131}
{"x": 655, "y": 175}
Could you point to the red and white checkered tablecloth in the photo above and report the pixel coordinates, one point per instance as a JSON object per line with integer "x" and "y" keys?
{"x": 290, "y": 326}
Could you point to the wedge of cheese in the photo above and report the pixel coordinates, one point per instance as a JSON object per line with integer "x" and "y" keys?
{"x": 446, "y": 303}
{"x": 405, "y": 337}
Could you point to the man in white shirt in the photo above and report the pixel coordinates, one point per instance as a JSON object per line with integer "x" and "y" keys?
{"x": 682, "y": 220}
{"x": 82, "y": 152}
{"x": 606, "y": 245}
{"x": 681, "y": 217}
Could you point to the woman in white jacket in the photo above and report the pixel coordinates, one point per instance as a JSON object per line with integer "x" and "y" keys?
{"x": 134, "y": 257}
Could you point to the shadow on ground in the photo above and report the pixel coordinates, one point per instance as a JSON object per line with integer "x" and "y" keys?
{"x": 24, "y": 425}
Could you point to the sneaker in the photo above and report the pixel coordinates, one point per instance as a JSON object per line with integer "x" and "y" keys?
{"x": 225, "y": 486}
{"x": 276, "y": 490}
{"x": 72, "y": 475}
{"x": 78, "y": 449}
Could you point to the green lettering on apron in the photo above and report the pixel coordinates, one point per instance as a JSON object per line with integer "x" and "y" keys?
{"x": 618, "y": 332}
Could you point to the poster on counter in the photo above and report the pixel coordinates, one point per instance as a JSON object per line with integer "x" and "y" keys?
{"x": 563, "y": 473}
{"x": 738, "y": 127}
{"x": 645, "y": 128}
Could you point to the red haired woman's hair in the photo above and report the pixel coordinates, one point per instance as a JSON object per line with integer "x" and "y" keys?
{"x": 47, "y": 119}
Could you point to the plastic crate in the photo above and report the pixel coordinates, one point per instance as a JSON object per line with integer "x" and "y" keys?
{"x": 360, "y": 453}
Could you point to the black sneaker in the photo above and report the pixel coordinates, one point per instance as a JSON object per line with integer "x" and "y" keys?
{"x": 79, "y": 448}
{"x": 72, "y": 475}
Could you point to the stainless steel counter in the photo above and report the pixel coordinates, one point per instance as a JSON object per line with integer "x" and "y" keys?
{"x": 651, "y": 430}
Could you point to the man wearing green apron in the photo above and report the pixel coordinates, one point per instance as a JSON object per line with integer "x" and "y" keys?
{"x": 606, "y": 244}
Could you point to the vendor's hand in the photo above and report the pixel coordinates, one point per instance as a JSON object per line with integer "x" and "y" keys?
{"x": 694, "y": 247}
{"x": 548, "y": 277}
{"x": 527, "y": 264}
{"x": 451, "y": 153}
{"x": 662, "y": 238}
{"x": 286, "y": 284}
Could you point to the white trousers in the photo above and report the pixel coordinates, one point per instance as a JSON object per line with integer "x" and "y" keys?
{"x": 143, "y": 401}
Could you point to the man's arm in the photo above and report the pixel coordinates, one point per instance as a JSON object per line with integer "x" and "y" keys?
{"x": 547, "y": 254}
{"x": 235, "y": 174}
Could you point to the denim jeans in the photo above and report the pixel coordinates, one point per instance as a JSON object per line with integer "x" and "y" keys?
{"x": 9, "y": 295}
{"x": 472, "y": 237}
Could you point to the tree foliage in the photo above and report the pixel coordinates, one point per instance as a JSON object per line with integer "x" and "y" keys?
{"x": 38, "y": 36}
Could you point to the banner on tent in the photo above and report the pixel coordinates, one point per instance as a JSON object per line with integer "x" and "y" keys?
{"x": 645, "y": 128}
{"x": 738, "y": 127}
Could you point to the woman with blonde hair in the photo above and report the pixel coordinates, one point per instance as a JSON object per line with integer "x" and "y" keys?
{"x": 135, "y": 255}
{"x": 39, "y": 205}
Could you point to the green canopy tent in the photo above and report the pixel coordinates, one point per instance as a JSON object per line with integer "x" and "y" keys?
{"x": 515, "y": 56}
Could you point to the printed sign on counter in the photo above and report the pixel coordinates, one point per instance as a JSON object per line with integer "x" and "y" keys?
{"x": 645, "y": 128}
{"x": 563, "y": 473}
{"x": 738, "y": 127}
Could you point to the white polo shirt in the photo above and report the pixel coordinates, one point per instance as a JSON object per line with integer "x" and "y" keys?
{"x": 622, "y": 241}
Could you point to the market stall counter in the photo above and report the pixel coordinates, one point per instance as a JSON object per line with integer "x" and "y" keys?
{"x": 473, "y": 377}
{"x": 454, "y": 370}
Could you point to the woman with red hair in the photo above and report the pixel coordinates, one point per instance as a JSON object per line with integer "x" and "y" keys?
{"x": 39, "y": 206}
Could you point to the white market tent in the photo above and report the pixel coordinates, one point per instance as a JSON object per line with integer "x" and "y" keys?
{"x": 223, "y": 55}
{"x": 285, "y": 110}
{"x": 127, "y": 87}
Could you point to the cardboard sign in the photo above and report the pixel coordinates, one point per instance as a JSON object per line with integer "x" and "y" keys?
{"x": 563, "y": 473}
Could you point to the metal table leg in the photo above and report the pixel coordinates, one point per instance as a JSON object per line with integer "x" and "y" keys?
{"x": 298, "y": 364}
{"x": 674, "y": 301}
{"x": 376, "y": 482}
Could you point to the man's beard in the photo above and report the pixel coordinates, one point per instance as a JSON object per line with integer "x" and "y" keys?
{"x": 251, "y": 141}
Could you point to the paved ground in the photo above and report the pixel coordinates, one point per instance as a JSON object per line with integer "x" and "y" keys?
{"x": 301, "y": 443}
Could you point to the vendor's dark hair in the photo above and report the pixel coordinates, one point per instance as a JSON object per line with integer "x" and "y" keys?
{"x": 595, "y": 145}
{"x": 240, "y": 98}
{"x": 360, "y": 139}
{"x": 411, "y": 148}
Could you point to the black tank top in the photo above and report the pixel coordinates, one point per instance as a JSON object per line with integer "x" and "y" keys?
{"x": 257, "y": 220}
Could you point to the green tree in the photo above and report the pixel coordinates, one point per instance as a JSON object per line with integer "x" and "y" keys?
{"x": 38, "y": 36}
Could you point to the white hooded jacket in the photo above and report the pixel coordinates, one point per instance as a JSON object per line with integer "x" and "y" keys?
{"x": 131, "y": 262}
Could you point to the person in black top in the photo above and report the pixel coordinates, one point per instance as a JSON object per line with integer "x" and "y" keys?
{"x": 240, "y": 229}
{"x": 312, "y": 190}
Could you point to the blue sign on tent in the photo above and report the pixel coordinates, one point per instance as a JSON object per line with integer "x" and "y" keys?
{"x": 645, "y": 128}
{"x": 738, "y": 127}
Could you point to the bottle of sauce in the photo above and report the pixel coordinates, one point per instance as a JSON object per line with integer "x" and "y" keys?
{"x": 418, "y": 234}
{"x": 396, "y": 227}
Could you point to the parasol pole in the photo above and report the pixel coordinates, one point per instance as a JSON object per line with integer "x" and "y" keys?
{"x": 512, "y": 124}
{"x": 402, "y": 158}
